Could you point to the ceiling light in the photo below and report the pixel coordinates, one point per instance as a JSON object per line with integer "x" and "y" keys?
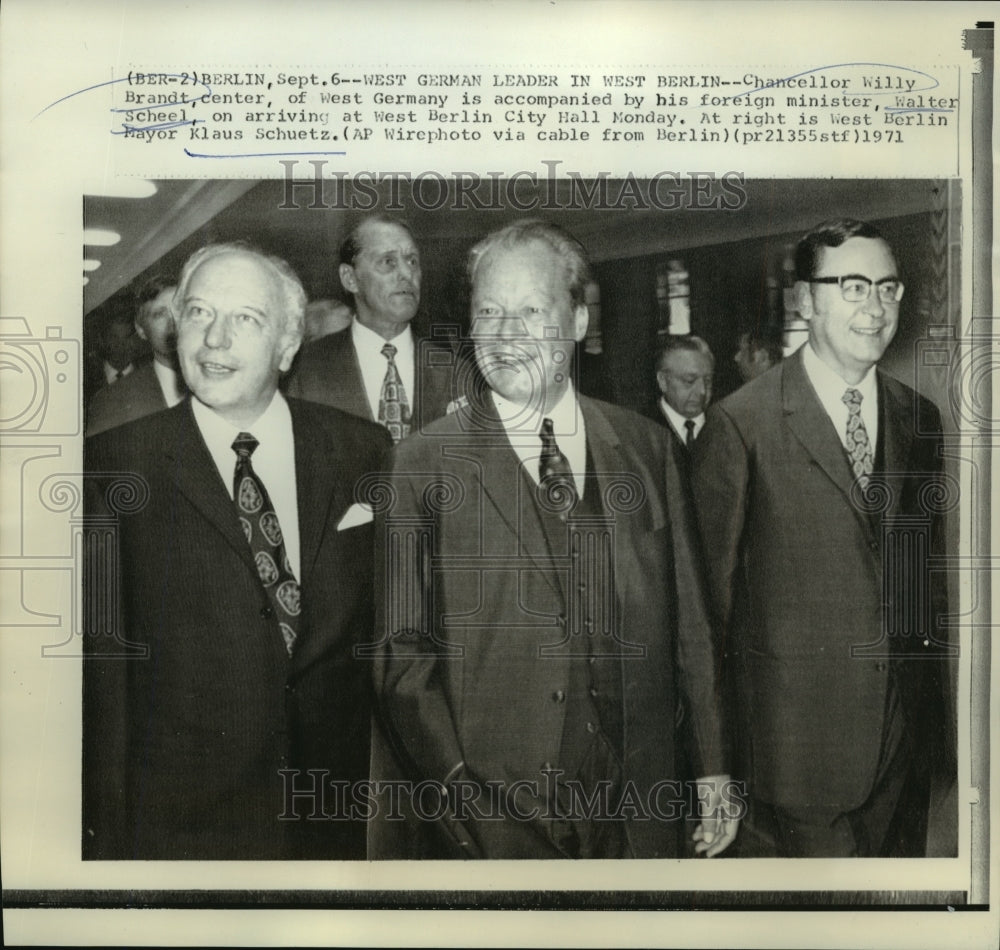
{"x": 95, "y": 236}
{"x": 91, "y": 265}
{"x": 86, "y": 280}
{"x": 121, "y": 188}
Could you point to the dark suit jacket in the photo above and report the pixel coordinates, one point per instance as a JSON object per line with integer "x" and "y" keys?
{"x": 796, "y": 572}
{"x": 184, "y": 739}
{"x": 327, "y": 371}
{"x": 478, "y": 629}
{"x": 132, "y": 397}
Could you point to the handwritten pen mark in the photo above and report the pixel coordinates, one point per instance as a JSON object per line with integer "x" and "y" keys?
{"x": 131, "y": 129}
{"x": 867, "y": 92}
{"x": 899, "y": 110}
{"x": 111, "y": 82}
{"x": 191, "y": 154}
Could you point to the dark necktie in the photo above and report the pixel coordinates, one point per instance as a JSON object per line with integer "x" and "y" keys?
{"x": 555, "y": 476}
{"x": 263, "y": 534}
{"x": 859, "y": 448}
{"x": 689, "y": 429}
{"x": 393, "y": 408}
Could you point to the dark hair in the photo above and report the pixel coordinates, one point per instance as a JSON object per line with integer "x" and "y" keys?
{"x": 686, "y": 342}
{"x": 830, "y": 233}
{"x": 351, "y": 246}
{"x": 767, "y": 339}
{"x": 534, "y": 229}
{"x": 152, "y": 289}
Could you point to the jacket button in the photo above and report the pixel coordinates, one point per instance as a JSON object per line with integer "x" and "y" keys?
{"x": 267, "y": 611}
{"x": 593, "y": 692}
{"x": 558, "y": 696}
{"x": 881, "y": 666}
{"x": 591, "y": 728}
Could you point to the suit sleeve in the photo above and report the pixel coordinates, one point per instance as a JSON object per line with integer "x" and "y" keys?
{"x": 414, "y": 710}
{"x": 720, "y": 476}
{"x": 698, "y": 646}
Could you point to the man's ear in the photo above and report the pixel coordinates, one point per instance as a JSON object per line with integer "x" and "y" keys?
{"x": 139, "y": 332}
{"x": 581, "y": 319}
{"x": 347, "y": 278}
{"x": 803, "y": 299}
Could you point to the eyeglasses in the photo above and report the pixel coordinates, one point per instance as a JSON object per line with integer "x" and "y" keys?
{"x": 856, "y": 289}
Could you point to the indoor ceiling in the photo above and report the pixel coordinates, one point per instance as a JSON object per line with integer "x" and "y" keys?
{"x": 158, "y": 233}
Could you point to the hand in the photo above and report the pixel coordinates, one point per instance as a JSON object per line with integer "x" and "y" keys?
{"x": 719, "y": 816}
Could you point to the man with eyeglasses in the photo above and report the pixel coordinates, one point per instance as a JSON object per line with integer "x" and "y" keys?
{"x": 802, "y": 480}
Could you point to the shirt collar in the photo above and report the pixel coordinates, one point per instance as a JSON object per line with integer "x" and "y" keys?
{"x": 367, "y": 340}
{"x": 518, "y": 422}
{"x": 830, "y": 385}
{"x": 677, "y": 421}
{"x": 272, "y": 422}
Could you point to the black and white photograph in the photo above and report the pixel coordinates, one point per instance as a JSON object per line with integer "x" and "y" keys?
{"x": 551, "y": 486}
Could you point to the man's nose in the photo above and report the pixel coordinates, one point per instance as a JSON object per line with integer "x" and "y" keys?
{"x": 217, "y": 334}
{"x": 873, "y": 306}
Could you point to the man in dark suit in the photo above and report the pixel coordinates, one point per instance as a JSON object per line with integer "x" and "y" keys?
{"x": 684, "y": 371}
{"x": 154, "y": 384}
{"x": 225, "y": 705}
{"x": 377, "y": 368}
{"x": 543, "y": 630}
{"x": 815, "y": 487}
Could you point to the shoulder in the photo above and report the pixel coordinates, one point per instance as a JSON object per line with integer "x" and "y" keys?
{"x": 324, "y": 350}
{"x": 137, "y": 439}
{"x": 907, "y": 403}
{"x": 309, "y": 419}
{"x": 607, "y": 421}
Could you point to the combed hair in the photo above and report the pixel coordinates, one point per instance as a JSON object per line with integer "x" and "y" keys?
{"x": 351, "y": 246}
{"x": 151, "y": 289}
{"x": 292, "y": 292}
{"x": 766, "y": 339}
{"x": 686, "y": 342}
{"x": 524, "y": 232}
{"x": 830, "y": 233}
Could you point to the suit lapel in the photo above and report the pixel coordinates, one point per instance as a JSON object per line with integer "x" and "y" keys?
{"x": 346, "y": 381}
{"x": 807, "y": 419}
{"x": 610, "y": 461}
{"x": 810, "y": 424}
{"x": 320, "y": 495}
{"x": 488, "y": 438}
{"x": 188, "y": 463}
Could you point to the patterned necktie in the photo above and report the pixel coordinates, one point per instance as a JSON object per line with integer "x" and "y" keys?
{"x": 689, "y": 428}
{"x": 555, "y": 476}
{"x": 393, "y": 409}
{"x": 859, "y": 448}
{"x": 263, "y": 533}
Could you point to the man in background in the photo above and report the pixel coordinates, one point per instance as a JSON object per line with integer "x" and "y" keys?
{"x": 757, "y": 352}
{"x": 377, "y": 368}
{"x": 684, "y": 371}
{"x": 152, "y": 385}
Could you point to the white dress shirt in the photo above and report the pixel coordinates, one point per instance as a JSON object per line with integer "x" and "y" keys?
{"x": 677, "y": 421}
{"x": 273, "y": 461}
{"x": 170, "y": 383}
{"x": 112, "y": 374}
{"x": 830, "y": 389}
{"x": 368, "y": 346}
{"x": 524, "y": 434}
